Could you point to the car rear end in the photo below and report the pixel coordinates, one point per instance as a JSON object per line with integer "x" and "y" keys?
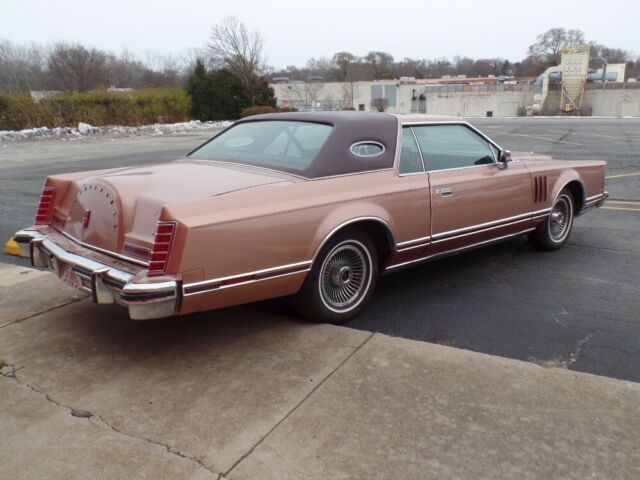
{"x": 79, "y": 235}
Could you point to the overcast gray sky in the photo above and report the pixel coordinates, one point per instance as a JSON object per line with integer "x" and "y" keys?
{"x": 296, "y": 30}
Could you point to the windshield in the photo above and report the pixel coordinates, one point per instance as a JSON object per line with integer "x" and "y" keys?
{"x": 276, "y": 144}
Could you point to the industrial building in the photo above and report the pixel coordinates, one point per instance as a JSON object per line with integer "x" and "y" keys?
{"x": 570, "y": 88}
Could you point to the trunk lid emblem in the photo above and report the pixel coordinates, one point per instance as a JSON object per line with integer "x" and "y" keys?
{"x": 86, "y": 218}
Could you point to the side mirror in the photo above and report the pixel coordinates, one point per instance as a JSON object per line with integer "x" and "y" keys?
{"x": 504, "y": 157}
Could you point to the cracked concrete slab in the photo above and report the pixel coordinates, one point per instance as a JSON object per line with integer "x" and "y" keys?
{"x": 209, "y": 386}
{"x": 42, "y": 440}
{"x": 25, "y": 292}
{"x": 412, "y": 410}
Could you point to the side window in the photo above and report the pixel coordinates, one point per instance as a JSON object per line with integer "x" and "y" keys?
{"x": 410, "y": 161}
{"x": 452, "y": 146}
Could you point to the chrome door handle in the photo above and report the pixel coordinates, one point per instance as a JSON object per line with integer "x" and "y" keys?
{"x": 446, "y": 192}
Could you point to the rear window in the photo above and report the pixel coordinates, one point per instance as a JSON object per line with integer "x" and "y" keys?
{"x": 276, "y": 144}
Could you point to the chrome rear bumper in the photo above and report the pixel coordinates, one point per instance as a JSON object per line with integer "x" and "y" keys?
{"x": 104, "y": 283}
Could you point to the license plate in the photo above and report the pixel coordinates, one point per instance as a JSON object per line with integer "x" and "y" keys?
{"x": 68, "y": 276}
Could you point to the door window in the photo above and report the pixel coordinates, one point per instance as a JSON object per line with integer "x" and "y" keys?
{"x": 452, "y": 146}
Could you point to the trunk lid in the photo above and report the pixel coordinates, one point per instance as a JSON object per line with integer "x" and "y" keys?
{"x": 117, "y": 210}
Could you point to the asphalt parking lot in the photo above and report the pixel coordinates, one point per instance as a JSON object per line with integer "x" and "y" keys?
{"x": 576, "y": 308}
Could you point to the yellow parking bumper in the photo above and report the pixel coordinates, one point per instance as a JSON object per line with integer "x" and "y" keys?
{"x": 12, "y": 248}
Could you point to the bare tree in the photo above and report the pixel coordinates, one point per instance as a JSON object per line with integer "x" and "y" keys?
{"x": 379, "y": 64}
{"x": 380, "y": 104}
{"x": 76, "y": 68}
{"x": 21, "y": 67}
{"x": 549, "y": 44}
{"x": 232, "y": 45}
{"x": 349, "y": 91}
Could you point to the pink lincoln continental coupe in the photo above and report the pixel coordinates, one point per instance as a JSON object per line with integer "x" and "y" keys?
{"x": 314, "y": 205}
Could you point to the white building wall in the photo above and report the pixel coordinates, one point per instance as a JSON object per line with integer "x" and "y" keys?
{"x": 455, "y": 100}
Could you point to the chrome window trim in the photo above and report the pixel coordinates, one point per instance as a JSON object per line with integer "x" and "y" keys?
{"x": 447, "y": 252}
{"x": 492, "y": 145}
{"x": 365, "y": 142}
{"x": 106, "y": 252}
{"x": 384, "y": 169}
{"x": 400, "y": 155}
{"x": 454, "y": 122}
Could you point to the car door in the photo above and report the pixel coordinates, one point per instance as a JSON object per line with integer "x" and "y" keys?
{"x": 473, "y": 197}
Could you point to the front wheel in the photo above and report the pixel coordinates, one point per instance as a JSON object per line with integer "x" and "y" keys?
{"x": 342, "y": 279}
{"x": 554, "y": 231}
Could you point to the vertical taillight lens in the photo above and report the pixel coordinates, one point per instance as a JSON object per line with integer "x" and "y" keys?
{"x": 45, "y": 207}
{"x": 161, "y": 248}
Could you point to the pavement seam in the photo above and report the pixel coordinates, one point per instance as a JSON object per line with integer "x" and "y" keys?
{"x": 43, "y": 312}
{"x": 295, "y": 407}
{"x": 101, "y": 420}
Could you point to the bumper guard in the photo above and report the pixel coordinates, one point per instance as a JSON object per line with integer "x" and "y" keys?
{"x": 104, "y": 283}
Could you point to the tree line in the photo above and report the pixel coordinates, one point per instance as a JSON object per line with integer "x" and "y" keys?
{"x": 377, "y": 65}
{"x": 229, "y": 74}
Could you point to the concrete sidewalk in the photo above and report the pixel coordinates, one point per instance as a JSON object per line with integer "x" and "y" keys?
{"x": 86, "y": 393}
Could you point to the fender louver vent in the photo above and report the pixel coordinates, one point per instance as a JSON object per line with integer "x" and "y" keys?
{"x": 540, "y": 189}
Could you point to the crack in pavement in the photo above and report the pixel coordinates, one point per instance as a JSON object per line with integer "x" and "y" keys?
{"x": 51, "y": 309}
{"x": 574, "y": 356}
{"x": 295, "y": 407}
{"x": 98, "y": 420}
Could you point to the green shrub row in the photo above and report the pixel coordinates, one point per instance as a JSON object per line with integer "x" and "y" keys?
{"x": 259, "y": 110}
{"x": 97, "y": 108}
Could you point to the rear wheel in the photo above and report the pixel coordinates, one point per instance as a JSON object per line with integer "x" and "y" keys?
{"x": 554, "y": 231}
{"x": 342, "y": 279}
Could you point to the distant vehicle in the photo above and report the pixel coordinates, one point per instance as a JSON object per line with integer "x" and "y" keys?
{"x": 314, "y": 205}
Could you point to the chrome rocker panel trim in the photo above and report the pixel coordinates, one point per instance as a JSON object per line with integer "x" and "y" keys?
{"x": 105, "y": 284}
{"x": 596, "y": 201}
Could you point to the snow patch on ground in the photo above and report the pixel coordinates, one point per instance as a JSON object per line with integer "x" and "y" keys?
{"x": 84, "y": 129}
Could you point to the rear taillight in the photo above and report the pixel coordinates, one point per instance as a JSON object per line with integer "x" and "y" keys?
{"x": 45, "y": 207}
{"x": 161, "y": 248}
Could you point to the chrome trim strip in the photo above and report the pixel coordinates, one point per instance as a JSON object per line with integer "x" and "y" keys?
{"x": 540, "y": 212}
{"x": 594, "y": 198}
{"x": 262, "y": 274}
{"x": 254, "y": 280}
{"x": 106, "y": 252}
{"x": 474, "y": 232}
{"x": 410, "y": 242}
{"x": 467, "y": 247}
{"x": 354, "y": 220}
{"x": 326, "y": 177}
{"x": 480, "y": 226}
{"x": 402, "y": 246}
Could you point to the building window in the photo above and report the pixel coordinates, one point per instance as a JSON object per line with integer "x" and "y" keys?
{"x": 388, "y": 92}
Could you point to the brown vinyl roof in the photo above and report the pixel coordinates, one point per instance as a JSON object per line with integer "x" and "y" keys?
{"x": 335, "y": 157}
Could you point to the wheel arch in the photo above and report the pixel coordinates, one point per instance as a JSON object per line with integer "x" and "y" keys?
{"x": 578, "y": 193}
{"x": 378, "y": 229}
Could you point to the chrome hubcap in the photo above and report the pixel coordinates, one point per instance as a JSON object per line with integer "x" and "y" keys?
{"x": 343, "y": 276}
{"x": 559, "y": 221}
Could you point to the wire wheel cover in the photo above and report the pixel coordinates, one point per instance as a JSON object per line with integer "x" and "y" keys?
{"x": 344, "y": 275}
{"x": 560, "y": 219}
